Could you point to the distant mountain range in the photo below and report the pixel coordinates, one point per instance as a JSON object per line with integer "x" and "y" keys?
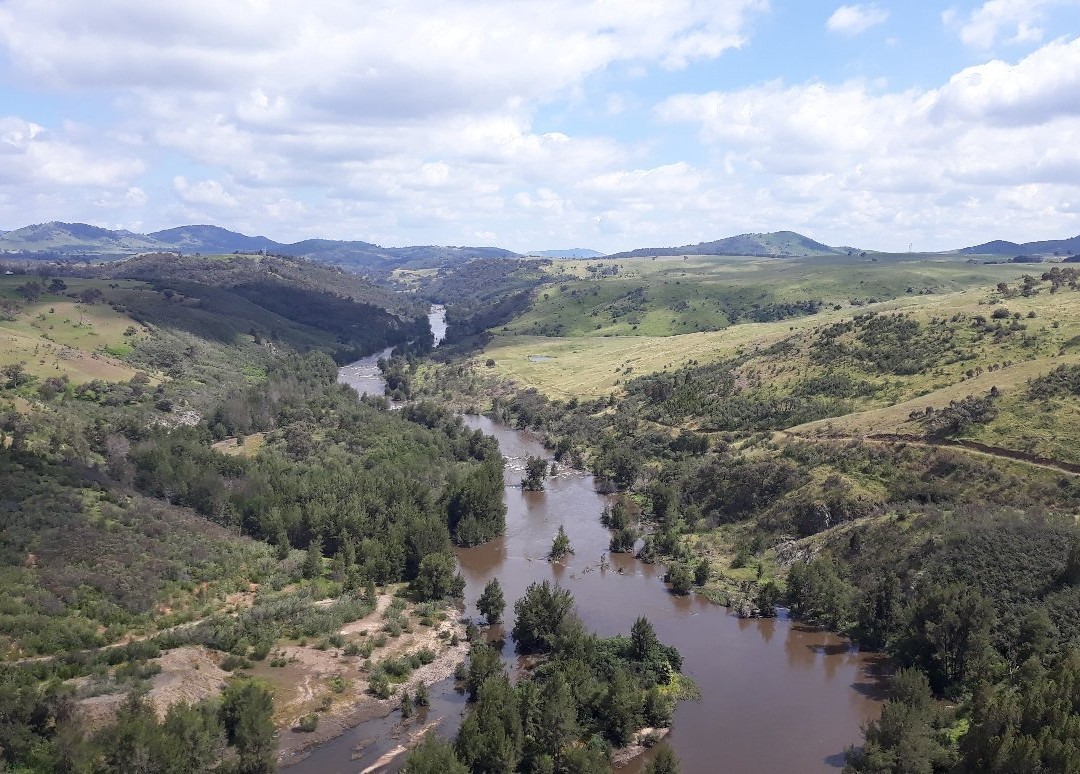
{"x": 59, "y": 240}
{"x": 573, "y": 252}
{"x": 1045, "y": 247}
{"x": 68, "y": 240}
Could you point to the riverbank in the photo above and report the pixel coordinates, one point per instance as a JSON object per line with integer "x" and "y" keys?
{"x": 334, "y": 683}
{"x": 755, "y": 675}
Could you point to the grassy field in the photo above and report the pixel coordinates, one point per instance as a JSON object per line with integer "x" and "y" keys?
{"x": 596, "y": 365}
{"x": 56, "y": 335}
{"x": 672, "y": 296}
{"x": 1040, "y": 331}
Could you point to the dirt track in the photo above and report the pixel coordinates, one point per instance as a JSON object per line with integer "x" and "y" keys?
{"x": 1013, "y": 455}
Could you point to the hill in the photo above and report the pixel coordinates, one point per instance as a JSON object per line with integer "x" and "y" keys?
{"x": 776, "y": 243}
{"x": 573, "y": 252}
{"x": 74, "y": 237}
{"x": 65, "y": 240}
{"x": 212, "y": 239}
{"x": 1044, "y": 247}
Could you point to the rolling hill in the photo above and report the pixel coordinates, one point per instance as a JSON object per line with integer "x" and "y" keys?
{"x": 573, "y": 252}
{"x": 59, "y": 240}
{"x": 773, "y": 244}
{"x": 1044, "y": 247}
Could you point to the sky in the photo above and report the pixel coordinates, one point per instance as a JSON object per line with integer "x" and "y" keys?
{"x": 540, "y": 124}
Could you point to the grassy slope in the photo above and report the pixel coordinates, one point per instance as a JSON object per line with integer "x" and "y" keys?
{"x": 57, "y": 336}
{"x": 700, "y": 293}
{"x": 588, "y": 366}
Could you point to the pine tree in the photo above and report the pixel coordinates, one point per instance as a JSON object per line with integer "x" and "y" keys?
{"x": 492, "y": 602}
{"x": 701, "y": 572}
{"x": 313, "y": 562}
{"x": 433, "y": 756}
{"x": 558, "y": 717}
{"x": 247, "y": 709}
{"x": 560, "y": 546}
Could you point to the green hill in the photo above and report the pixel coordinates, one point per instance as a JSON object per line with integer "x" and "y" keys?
{"x": 776, "y": 244}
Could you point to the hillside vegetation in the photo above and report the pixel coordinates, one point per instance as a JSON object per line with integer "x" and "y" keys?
{"x": 899, "y": 463}
{"x": 137, "y": 560}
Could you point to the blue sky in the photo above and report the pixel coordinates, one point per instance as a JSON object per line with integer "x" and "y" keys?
{"x": 546, "y": 123}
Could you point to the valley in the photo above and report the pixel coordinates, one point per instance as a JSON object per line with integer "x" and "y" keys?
{"x": 753, "y": 455}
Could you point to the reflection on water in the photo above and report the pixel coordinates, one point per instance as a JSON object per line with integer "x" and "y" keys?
{"x": 776, "y": 696}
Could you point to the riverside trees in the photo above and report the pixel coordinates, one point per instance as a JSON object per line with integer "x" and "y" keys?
{"x": 586, "y": 695}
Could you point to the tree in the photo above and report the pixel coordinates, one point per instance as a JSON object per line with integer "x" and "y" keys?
{"x": 701, "y": 572}
{"x": 433, "y": 755}
{"x": 535, "y": 471}
{"x": 643, "y": 639}
{"x": 622, "y": 541}
{"x": 30, "y": 291}
{"x": 665, "y": 762}
{"x": 540, "y": 616}
{"x": 680, "y": 579}
{"x": 560, "y": 546}
{"x": 475, "y": 511}
{"x": 558, "y": 727}
{"x": 437, "y": 578}
{"x": 484, "y": 662}
{"x": 247, "y": 709}
{"x": 491, "y": 737}
{"x": 16, "y": 374}
{"x": 491, "y": 602}
{"x": 195, "y": 735}
{"x": 406, "y": 705}
{"x": 905, "y": 738}
{"x": 621, "y": 709}
{"x": 423, "y": 698}
{"x": 948, "y": 634}
{"x": 313, "y": 562}
{"x": 91, "y": 296}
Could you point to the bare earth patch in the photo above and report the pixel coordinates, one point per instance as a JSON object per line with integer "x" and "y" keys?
{"x": 188, "y": 674}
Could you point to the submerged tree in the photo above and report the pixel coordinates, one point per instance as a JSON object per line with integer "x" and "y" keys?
{"x": 491, "y": 602}
{"x": 622, "y": 541}
{"x": 560, "y": 546}
{"x": 535, "y": 472}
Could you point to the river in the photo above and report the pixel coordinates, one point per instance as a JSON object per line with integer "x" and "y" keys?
{"x": 776, "y": 696}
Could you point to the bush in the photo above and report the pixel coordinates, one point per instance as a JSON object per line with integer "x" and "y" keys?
{"x": 233, "y": 662}
{"x": 308, "y": 723}
{"x": 680, "y": 578}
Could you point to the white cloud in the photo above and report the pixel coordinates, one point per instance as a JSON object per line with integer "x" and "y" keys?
{"x": 1006, "y": 137}
{"x": 1015, "y": 21}
{"x": 1042, "y": 86}
{"x": 856, "y": 19}
{"x": 398, "y": 121}
{"x": 31, "y": 155}
{"x": 204, "y": 192}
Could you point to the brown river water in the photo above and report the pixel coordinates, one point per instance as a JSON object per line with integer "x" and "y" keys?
{"x": 775, "y": 696}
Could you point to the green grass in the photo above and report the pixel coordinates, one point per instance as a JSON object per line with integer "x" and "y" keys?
{"x": 587, "y": 366}
{"x": 56, "y": 335}
{"x": 673, "y": 296}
